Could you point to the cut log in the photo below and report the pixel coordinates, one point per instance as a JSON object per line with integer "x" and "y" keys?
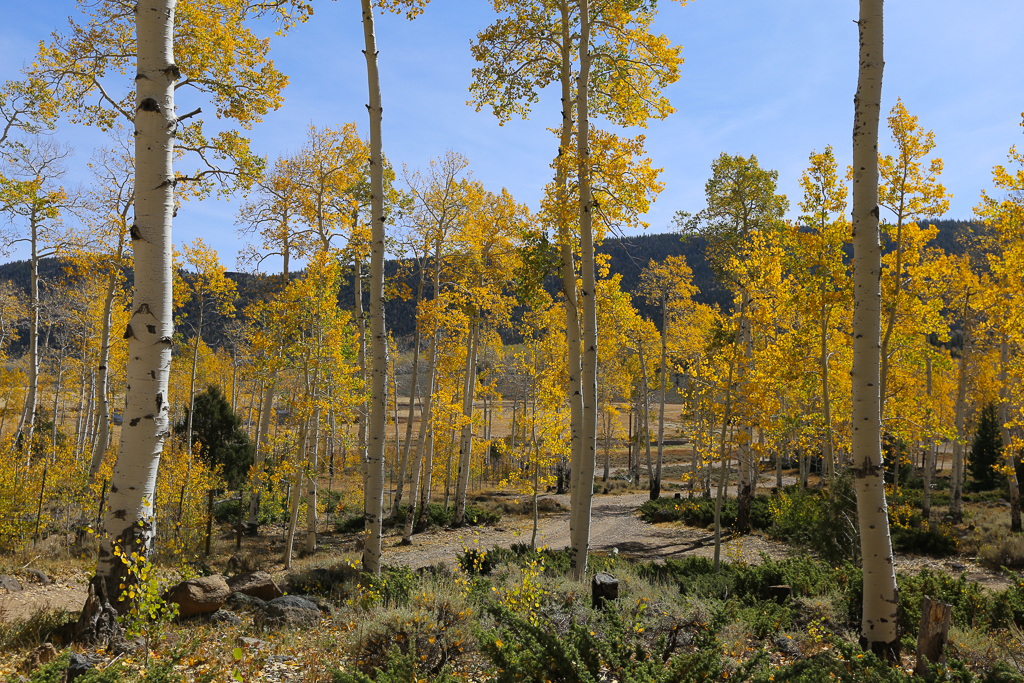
{"x": 932, "y": 636}
{"x": 603, "y": 587}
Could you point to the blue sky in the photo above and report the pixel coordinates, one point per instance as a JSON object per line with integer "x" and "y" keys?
{"x": 773, "y": 79}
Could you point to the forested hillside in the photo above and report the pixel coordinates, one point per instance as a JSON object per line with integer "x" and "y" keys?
{"x": 628, "y": 256}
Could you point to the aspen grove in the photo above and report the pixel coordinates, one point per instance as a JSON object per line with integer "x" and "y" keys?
{"x": 406, "y": 363}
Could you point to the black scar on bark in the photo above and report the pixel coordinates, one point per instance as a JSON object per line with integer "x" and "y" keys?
{"x": 159, "y": 398}
{"x": 172, "y": 72}
{"x": 149, "y": 104}
{"x": 151, "y": 329}
{"x": 134, "y": 232}
{"x": 128, "y": 334}
{"x": 144, "y": 308}
{"x": 135, "y": 421}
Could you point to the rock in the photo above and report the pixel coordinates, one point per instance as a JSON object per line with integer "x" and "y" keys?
{"x": 957, "y": 567}
{"x": 9, "y": 583}
{"x": 240, "y": 602}
{"x": 257, "y": 584}
{"x": 121, "y": 646}
{"x": 39, "y": 656}
{"x": 199, "y": 596}
{"x": 77, "y": 665}
{"x": 249, "y": 643}
{"x": 664, "y": 515}
{"x": 603, "y": 587}
{"x": 786, "y": 646}
{"x": 40, "y": 576}
{"x": 221, "y": 616}
{"x": 289, "y": 610}
{"x": 322, "y": 604}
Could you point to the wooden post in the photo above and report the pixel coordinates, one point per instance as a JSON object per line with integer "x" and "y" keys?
{"x": 209, "y": 524}
{"x": 932, "y": 636}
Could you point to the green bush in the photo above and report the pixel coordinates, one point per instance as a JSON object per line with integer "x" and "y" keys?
{"x": 821, "y": 520}
{"x": 437, "y": 516}
{"x": 934, "y": 540}
{"x": 701, "y": 511}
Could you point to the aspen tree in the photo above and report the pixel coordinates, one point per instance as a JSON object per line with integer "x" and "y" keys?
{"x": 669, "y": 285}
{"x": 816, "y": 257}
{"x": 533, "y": 46}
{"x": 103, "y": 248}
{"x": 742, "y": 204}
{"x": 879, "y": 625}
{"x": 32, "y": 200}
{"x": 374, "y": 490}
{"x": 1004, "y": 220}
{"x": 909, "y": 192}
{"x": 210, "y": 293}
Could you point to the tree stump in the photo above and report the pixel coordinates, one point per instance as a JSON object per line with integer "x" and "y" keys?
{"x": 932, "y": 636}
{"x": 603, "y": 587}
{"x": 779, "y": 593}
{"x": 97, "y": 624}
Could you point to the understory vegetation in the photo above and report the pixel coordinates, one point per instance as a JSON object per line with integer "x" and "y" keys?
{"x": 514, "y": 615}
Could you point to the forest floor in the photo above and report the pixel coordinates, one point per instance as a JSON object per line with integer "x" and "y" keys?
{"x": 615, "y": 527}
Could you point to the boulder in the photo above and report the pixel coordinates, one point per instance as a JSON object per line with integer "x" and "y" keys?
{"x": 199, "y": 596}
{"x": 664, "y": 515}
{"x": 77, "y": 665}
{"x": 288, "y": 611}
{"x": 240, "y": 602}
{"x": 9, "y": 583}
{"x": 221, "y": 616}
{"x": 257, "y": 584}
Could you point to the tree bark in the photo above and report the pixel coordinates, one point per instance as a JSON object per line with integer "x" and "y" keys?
{"x": 957, "y": 480}
{"x": 466, "y": 437}
{"x": 656, "y": 481}
{"x": 879, "y": 628}
{"x": 572, "y": 319}
{"x": 1004, "y": 418}
{"x": 102, "y": 403}
{"x": 129, "y": 522}
{"x": 406, "y": 447}
{"x": 584, "y": 480}
{"x": 378, "y": 406}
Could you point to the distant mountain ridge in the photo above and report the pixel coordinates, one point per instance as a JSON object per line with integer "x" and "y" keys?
{"x": 627, "y": 257}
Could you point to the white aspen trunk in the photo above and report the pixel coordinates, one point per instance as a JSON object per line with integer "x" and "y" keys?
{"x": 192, "y": 382}
{"x": 890, "y": 324}
{"x": 826, "y": 397}
{"x": 879, "y": 627}
{"x": 314, "y": 468}
{"x": 79, "y": 415}
{"x": 656, "y": 482}
{"x": 374, "y": 491}
{"x": 466, "y": 438}
{"x": 572, "y": 320}
{"x": 28, "y": 415}
{"x": 647, "y": 417}
{"x": 957, "y": 482}
{"x": 102, "y": 403}
{"x": 410, "y": 513}
{"x": 363, "y": 410}
{"x": 129, "y": 521}
{"x": 723, "y": 464}
{"x": 581, "y": 507}
{"x": 1004, "y": 418}
{"x": 747, "y": 473}
{"x": 262, "y": 446}
{"x": 427, "y": 412}
{"x": 406, "y": 447}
